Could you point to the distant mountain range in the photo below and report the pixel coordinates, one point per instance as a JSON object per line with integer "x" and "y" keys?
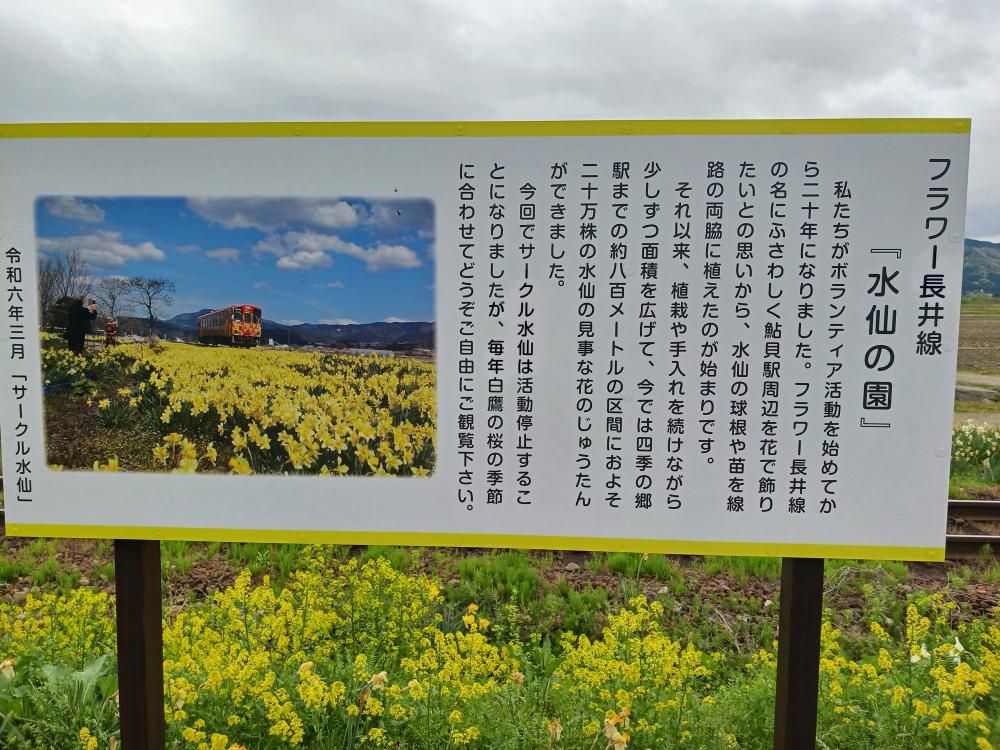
{"x": 367, "y": 335}
{"x": 982, "y": 267}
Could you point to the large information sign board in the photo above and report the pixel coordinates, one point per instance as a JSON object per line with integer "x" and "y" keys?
{"x": 733, "y": 337}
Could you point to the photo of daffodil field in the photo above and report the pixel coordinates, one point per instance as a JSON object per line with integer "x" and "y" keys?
{"x": 238, "y": 335}
{"x": 182, "y": 408}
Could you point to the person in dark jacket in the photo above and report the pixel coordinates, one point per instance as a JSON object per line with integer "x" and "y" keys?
{"x": 79, "y": 323}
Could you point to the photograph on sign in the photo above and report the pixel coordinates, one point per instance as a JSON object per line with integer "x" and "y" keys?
{"x": 224, "y": 387}
{"x": 697, "y": 337}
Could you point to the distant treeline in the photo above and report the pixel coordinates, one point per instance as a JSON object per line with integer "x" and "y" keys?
{"x": 981, "y": 272}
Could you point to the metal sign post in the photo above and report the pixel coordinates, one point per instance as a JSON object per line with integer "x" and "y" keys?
{"x": 799, "y": 624}
{"x": 139, "y": 614}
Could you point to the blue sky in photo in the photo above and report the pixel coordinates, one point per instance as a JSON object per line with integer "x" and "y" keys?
{"x": 309, "y": 260}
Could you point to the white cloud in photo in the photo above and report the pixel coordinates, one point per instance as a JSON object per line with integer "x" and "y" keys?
{"x": 394, "y": 319}
{"x": 337, "y": 322}
{"x": 261, "y": 285}
{"x": 333, "y": 215}
{"x": 302, "y": 260}
{"x": 268, "y": 214}
{"x": 270, "y": 245}
{"x": 292, "y": 322}
{"x": 74, "y": 209}
{"x": 227, "y": 255}
{"x": 390, "y": 257}
{"x": 330, "y": 285}
{"x": 187, "y": 249}
{"x": 306, "y": 249}
{"x": 102, "y": 249}
{"x": 379, "y": 258}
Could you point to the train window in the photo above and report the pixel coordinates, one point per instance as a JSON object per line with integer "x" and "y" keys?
{"x": 256, "y": 316}
{"x": 237, "y": 314}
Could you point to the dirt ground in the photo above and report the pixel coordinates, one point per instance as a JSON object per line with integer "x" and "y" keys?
{"x": 986, "y": 382}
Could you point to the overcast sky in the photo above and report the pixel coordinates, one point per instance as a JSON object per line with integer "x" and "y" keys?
{"x": 461, "y": 59}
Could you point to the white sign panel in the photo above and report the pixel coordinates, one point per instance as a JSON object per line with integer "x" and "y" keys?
{"x": 696, "y": 337}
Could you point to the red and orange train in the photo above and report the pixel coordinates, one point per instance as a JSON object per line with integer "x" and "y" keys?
{"x": 236, "y": 325}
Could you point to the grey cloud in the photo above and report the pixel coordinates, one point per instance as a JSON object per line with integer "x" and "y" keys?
{"x": 516, "y": 60}
{"x": 224, "y": 254}
{"x": 270, "y": 213}
{"x": 402, "y": 216}
{"x": 301, "y": 260}
{"x": 301, "y": 250}
{"x": 74, "y": 209}
{"x": 102, "y": 249}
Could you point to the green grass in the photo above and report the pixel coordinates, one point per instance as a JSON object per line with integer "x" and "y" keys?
{"x": 980, "y": 304}
{"x": 768, "y": 568}
{"x": 965, "y": 407}
{"x": 276, "y": 560}
{"x": 13, "y": 567}
{"x": 105, "y": 572}
{"x": 889, "y": 571}
{"x": 46, "y": 571}
{"x": 961, "y": 481}
{"x": 177, "y": 557}
{"x": 991, "y": 574}
{"x": 495, "y": 577}
{"x": 595, "y": 563}
{"x": 397, "y": 557}
{"x": 38, "y": 562}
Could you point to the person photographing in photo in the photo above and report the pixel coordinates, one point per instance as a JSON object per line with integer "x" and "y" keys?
{"x": 80, "y": 322}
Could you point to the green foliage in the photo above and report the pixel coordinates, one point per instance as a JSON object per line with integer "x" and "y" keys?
{"x": 47, "y": 704}
{"x": 981, "y": 270}
{"x": 279, "y": 561}
{"x": 767, "y": 568}
{"x": 496, "y": 577}
{"x": 975, "y": 452}
{"x": 634, "y": 565}
{"x": 397, "y": 557}
{"x": 12, "y": 568}
{"x": 115, "y": 412}
{"x": 176, "y": 557}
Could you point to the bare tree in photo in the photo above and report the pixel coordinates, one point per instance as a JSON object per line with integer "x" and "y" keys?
{"x": 112, "y": 296}
{"x": 151, "y": 294}
{"x": 60, "y": 277}
{"x": 49, "y": 272}
{"x": 76, "y": 280}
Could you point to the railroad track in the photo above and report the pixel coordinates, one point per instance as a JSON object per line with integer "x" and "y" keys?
{"x": 973, "y": 514}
